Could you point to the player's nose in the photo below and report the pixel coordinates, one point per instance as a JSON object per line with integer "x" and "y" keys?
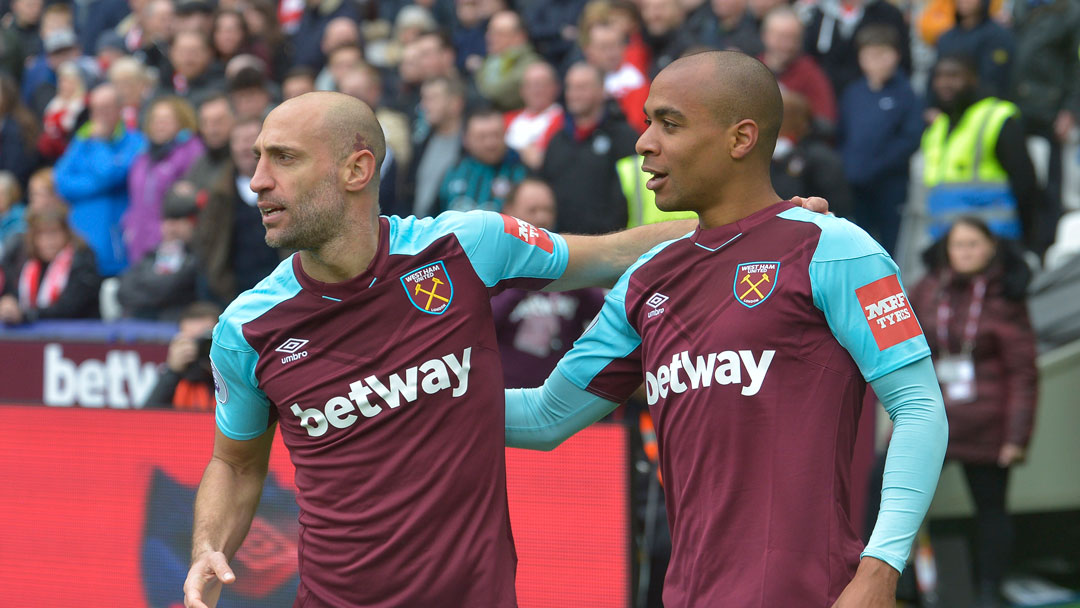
{"x": 261, "y": 181}
{"x": 646, "y": 144}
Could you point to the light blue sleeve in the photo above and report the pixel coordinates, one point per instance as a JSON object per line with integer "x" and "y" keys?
{"x": 542, "y": 418}
{"x": 858, "y": 288}
{"x": 243, "y": 409}
{"x": 500, "y": 247}
{"x": 912, "y": 398}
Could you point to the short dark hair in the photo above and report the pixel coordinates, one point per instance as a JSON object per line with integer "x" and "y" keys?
{"x": 200, "y": 310}
{"x": 454, "y": 86}
{"x": 964, "y": 60}
{"x": 480, "y": 112}
{"x": 299, "y": 70}
{"x": 247, "y": 78}
{"x": 877, "y": 35}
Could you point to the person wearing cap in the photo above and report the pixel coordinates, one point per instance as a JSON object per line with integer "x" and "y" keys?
{"x": 161, "y": 284}
{"x": 39, "y": 81}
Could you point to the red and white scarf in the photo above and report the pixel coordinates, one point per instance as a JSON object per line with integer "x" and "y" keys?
{"x": 36, "y": 291}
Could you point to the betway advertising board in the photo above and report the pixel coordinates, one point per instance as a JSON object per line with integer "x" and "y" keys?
{"x": 86, "y": 374}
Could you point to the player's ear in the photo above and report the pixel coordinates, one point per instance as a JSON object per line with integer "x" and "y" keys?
{"x": 744, "y": 137}
{"x": 360, "y": 168}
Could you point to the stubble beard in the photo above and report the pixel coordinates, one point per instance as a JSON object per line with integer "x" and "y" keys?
{"x": 316, "y": 218}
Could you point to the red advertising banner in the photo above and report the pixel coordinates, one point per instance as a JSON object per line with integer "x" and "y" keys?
{"x": 97, "y": 511}
{"x": 89, "y": 374}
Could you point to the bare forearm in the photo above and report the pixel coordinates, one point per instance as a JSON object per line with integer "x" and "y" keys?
{"x": 225, "y": 506}
{"x": 599, "y": 261}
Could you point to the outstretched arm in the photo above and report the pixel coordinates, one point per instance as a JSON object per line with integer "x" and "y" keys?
{"x": 224, "y": 508}
{"x": 542, "y": 418}
{"x": 600, "y": 260}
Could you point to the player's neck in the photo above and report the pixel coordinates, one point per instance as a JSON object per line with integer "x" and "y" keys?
{"x": 347, "y": 255}
{"x": 737, "y": 201}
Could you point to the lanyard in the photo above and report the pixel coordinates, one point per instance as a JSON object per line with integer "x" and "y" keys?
{"x": 944, "y": 313}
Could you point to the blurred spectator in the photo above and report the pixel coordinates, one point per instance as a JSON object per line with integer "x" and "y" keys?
{"x": 12, "y": 209}
{"x": 804, "y": 166}
{"x": 529, "y": 130}
{"x": 149, "y": 35}
{"x": 972, "y": 310}
{"x": 298, "y": 81}
{"x": 194, "y": 15}
{"x": 23, "y": 22}
{"x": 509, "y": 53}
{"x": 39, "y": 80}
{"x": 216, "y": 120}
{"x": 980, "y": 37}
{"x": 265, "y": 33}
{"x": 410, "y": 22}
{"x": 229, "y": 238}
{"x": 975, "y": 160}
{"x": 92, "y": 176}
{"x": 731, "y": 26}
{"x": 443, "y": 103}
{"x": 625, "y": 17}
{"x": 469, "y": 32}
{"x": 162, "y": 283}
{"x": 1046, "y": 88}
{"x": 196, "y": 75}
{"x": 186, "y": 381}
{"x": 782, "y": 35}
{"x": 552, "y": 28}
{"x": 308, "y": 37}
{"x": 339, "y": 32}
{"x": 536, "y": 328}
{"x": 95, "y": 18}
{"x": 580, "y": 160}
{"x": 364, "y": 83}
{"x": 249, "y": 94}
{"x": 880, "y": 124}
{"x": 605, "y": 47}
{"x": 173, "y": 148}
{"x": 54, "y": 278}
{"x": 437, "y": 56}
{"x": 40, "y": 195}
{"x": 134, "y": 83}
{"x": 230, "y": 37}
{"x": 760, "y": 8}
{"x": 406, "y": 92}
{"x": 665, "y": 34}
{"x": 830, "y": 35}
{"x": 18, "y": 132}
{"x": 483, "y": 178}
{"x": 110, "y": 47}
{"x": 63, "y": 113}
{"x": 338, "y": 61}
{"x": 12, "y": 58}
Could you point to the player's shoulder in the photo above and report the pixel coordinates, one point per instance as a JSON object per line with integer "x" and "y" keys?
{"x": 656, "y": 260}
{"x": 839, "y": 239}
{"x": 275, "y": 288}
{"x": 410, "y": 235}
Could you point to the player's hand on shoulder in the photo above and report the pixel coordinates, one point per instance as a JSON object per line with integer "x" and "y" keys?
{"x": 874, "y": 586}
{"x": 203, "y": 584}
{"x": 813, "y": 203}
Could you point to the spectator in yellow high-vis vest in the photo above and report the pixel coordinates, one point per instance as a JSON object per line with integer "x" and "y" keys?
{"x": 975, "y": 160}
{"x": 640, "y": 201}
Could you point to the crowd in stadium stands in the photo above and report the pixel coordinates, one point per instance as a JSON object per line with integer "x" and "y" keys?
{"x": 110, "y": 109}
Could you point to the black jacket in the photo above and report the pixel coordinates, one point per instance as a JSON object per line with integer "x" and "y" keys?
{"x": 582, "y": 174}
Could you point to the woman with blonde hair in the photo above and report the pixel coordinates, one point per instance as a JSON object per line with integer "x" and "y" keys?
{"x": 55, "y": 277}
{"x": 170, "y": 127}
{"x": 64, "y": 111}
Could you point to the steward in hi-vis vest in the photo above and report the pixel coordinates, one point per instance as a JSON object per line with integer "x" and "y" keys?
{"x": 975, "y": 160}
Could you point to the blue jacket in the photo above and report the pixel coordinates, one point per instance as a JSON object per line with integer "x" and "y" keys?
{"x": 878, "y": 131}
{"x": 92, "y": 177}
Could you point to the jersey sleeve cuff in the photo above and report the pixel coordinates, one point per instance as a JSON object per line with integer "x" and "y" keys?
{"x": 893, "y": 560}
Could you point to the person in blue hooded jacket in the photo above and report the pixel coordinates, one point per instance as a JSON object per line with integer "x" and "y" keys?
{"x": 92, "y": 177}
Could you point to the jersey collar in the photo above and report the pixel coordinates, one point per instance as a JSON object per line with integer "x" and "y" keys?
{"x": 344, "y": 289}
{"x": 716, "y": 238}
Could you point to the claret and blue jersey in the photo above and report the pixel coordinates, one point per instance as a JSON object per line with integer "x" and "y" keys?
{"x": 755, "y": 341}
{"x": 387, "y": 389}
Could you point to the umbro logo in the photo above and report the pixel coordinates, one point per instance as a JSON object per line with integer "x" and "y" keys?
{"x": 655, "y": 302}
{"x": 292, "y": 346}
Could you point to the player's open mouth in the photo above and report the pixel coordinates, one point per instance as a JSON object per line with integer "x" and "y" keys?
{"x": 270, "y": 210}
{"x": 657, "y": 180}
